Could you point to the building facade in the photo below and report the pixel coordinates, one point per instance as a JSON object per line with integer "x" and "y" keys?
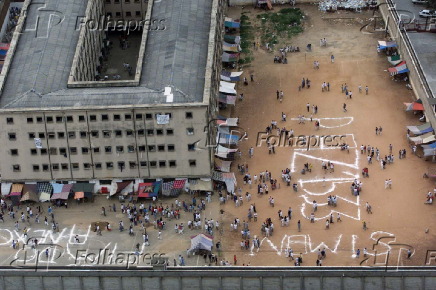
{"x": 50, "y": 131}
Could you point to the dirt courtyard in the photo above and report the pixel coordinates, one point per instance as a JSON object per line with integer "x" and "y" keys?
{"x": 400, "y": 217}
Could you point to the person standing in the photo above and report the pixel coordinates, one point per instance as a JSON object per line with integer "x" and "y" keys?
{"x": 366, "y": 89}
{"x": 299, "y": 226}
{"x": 358, "y": 253}
{"x": 308, "y": 107}
{"x": 409, "y": 253}
{"x": 332, "y": 57}
{"x": 345, "y": 107}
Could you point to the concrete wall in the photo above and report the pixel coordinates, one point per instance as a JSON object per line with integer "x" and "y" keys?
{"x": 253, "y": 278}
{"x": 416, "y": 75}
{"x": 73, "y": 131}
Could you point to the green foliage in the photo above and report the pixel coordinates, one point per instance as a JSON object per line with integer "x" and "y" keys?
{"x": 247, "y": 38}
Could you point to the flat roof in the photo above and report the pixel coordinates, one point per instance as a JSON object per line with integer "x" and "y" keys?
{"x": 174, "y": 57}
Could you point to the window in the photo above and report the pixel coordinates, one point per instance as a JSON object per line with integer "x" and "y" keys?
{"x": 117, "y": 1}
{"x": 150, "y": 132}
{"x": 128, "y": 117}
{"x": 170, "y": 132}
{"x": 64, "y": 166}
{"x": 55, "y": 167}
{"x": 63, "y": 151}
{"x": 94, "y": 134}
{"x": 73, "y": 150}
{"x": 108, "y": 1}
{"x": 61, "y": 135}
{"x": 86, "y": 166}
{"x": 85, "y": 150}
{"x": 118, "y": 133}
{"x": 81, "y": 118}
{"x": 32, "y": 135}
{"x": 9, "y": 120}
{"x": 148, "y": 116}
{"x": 107, "y": 149}
{"x": 192, "y": 163}
{"x": 72, "y": 135}
{"x": 38, "y": 119}
{"x": 29, "y": 120}
{"x": 83, "y": 134}
{"x": 43, "y": 151}
{"x": 49, "y": 119}
{"x": 92, "y": 118}
{"x": 96, "y": 149}
{"x": 188, "y": 115}
{"x": 151, "y": 148}
{"x": 171, "y": 147}
{"x": 109, "y": 14}
{"x": 190, "y": 131}
{"x": 14, "y": 152}
{"x": 45, "y": 167}
{"x": 59, "y": 119}
{"x": 160, "y": 148}
{"x": 130, "y": 148}
{"x": 75, "y": 166}
{"x": 97, "y": 166}
{"x": 162, "y": 163}
{"x": 120, "y": 149}
{"x": 141, "y": 132}
{"x": 128, "y": 13}
{"x": 105, "y": 117}
{"x": 106, "y": 134}
{"x": 129, "y": 133}
{"x": 153, "y": 163}
{"x": 141, "y": 148}
{"x": 159, "y": 132}
{"x": 137, "y": 13}
{"x": 51, "y": 135}
{"x": 138, "y": 116}
{"x": 13, "y": 136}
{"x": 53, "y": 151}
{"x": 172, "y": 163}
{"x": 35, "y": 167}
{"x": 191, "y": 147}
{"x": 143, "y": 163}
{"x": 121, "y": 165}
{"x": 70, "y": 119}
{"x": 127, "y": 1}
{"x": 41, "y": 135}
{"x": 109, "y": 165}
{"x": 132, "y": 165}
{"x": 33, "y": 152}
{"x": 117, "y": 117}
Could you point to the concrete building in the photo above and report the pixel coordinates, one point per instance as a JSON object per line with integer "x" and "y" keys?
{"x": 68, "y": 113}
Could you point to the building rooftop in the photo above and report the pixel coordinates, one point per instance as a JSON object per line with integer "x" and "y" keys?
{"x": 174, "y": 57}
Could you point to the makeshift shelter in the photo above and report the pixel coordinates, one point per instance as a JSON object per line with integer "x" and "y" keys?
{"x": 79, "y": 195}
{"x": 386, "y": 44}
{"x": 227, "y": 177}
{"x": 222, "y": 165}
{"x": 234, "y": 39}
{"x": 61, "y": 191}
{"x": 231, "y": 47}
{"x": 419, "y": 130}
{"x": 227, "y": 139}
{"x": 173, "y": 188}
{"x": 398, "y": 69}
{"x": 394, "y": 59}
{"x": 415, "y": 106}
{"x": 229, "y": 57}
{"x": 231, "y": 122}
{"x": 228, "y": 88}
{"x": 86, "y": 188}
{"x": 231, "y": 76}
{"x": 30, "y": 193}
{"x": 224, "y": 152}
{"x": 6, "y": 188}
{"x": 123, "y": 188}
{"x": 201, "y": 242}
{"x": 45, "y": 190}
{"x": 423, "y": 139}
{"x": 230, "y": 23}
{"x": 227, "y": 99}
{"x": 200, "y": 185}
{"x": 148, "y": 189}
{"x": 16, "y": 189}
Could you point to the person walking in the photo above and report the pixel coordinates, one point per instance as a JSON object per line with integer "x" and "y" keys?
{"x": 366, "y": 89}
{"x": 299, "y": 226}
{"x": 308, "y": 107}
{"x": 332, "y": 58}
{"x": 345, "y": 107}
{"x": 358, "y": 253}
